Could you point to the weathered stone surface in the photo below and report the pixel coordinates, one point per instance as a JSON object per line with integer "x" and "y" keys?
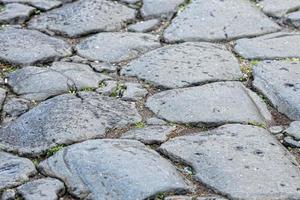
{"x": 185, "y": 64}
{"x": 130, "y": 1}
{"x": 294, "y": 19}
{"x": 40, "y": 4}
{"x": 193, "y": 198}
{"x": 42, "y": 189}
{"x": 9, "y": 194}
{"x": 279, "y": 81}
{"x": 159, "y": 8}
{"x": 14, "y": 170}
{"x": 15, "y": 13}
{"x": 144, "y": 26}
{"x": 26, "y": 47}
{"x": 36, "y": 83}
{"x": 216, "y": 20}
{"x": 113, "y": 169}
{"x": 278, "y": 8}
{"x": 104, "y": 67}
{"x": 155, "y": 121}
{"x": 272, "y": 46}
{"x": 2, "y": 97}
{"x": 134, "y": 92}
{"x": 294, "y": 130}
{"x": 84, "y": 17}
{"x": 150, "y": 134}
{"x": 15, "y": 107}
{"x": 116, "y": 47}
{"x": 210, "y": 104}
{"x": 66, "y": 119}
{"x": 276, "y": 129}
{"x": 289, "y": 141}
{"x": 108, "y": 88}
{"x": 239, "y": 161}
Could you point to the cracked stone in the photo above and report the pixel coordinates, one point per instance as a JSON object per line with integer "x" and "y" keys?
{"x": 159, "y": 8}
{"x": 42, "y": 189}
{"x": 36, "y": 83}
{"x": 116, "y": 47}
{"x": 113, "y": 169}
{"x": 239, "y": 161}
{"x": 278, "y": 8}
{"x": 15, "y": 107}
{"x": 150, "y": 134}
{"x": 222, "y": 102}
{"x": 2, "y": 97}
{"x": 14, "y": 170}
{"x": 66, "y": 119}
{"x": 289, "y": 141}
{"x": 270, "y": 47}
{"x": 134, "y": 92}
{"x": 108, "y": 88}
{"x": 40, "y": 4}
{"x": 294, "y": 130}
{"x": 84, "y": 17}
{"x": 144, "y": 26}
{"x": 279, "y": 81}
{"x": 217, "y": 20}
{"x": 185, "y": 64}
{"x": 26, "y": 47}
{"x": 294, "y": 19}
{"x": 15, "y": 13}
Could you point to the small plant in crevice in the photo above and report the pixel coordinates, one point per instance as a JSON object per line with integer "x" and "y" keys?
{"x": 87, "y": 89}
{"x": 102, "y": 84}
{"x": 53, "y": 150}
{"x": 118, "y": 92}
{"x": 254, "y": 123}
{"x": 2, "y": 8}
{"x": 140, "y": 124}
{"x": 160, "y": 196}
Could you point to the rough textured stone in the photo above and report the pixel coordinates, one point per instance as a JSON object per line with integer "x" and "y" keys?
{"x": 144, "y": 26}
{"x": 278, "y": 8}
{"x": 218, "y": 20}
{"x": 15, "y": 107}
{"x": 15, "y": 13}
{"x": 40, "y": 4}
{"x": 66, "y": 119}
{"x": 294, "y": 19}
{"x": 36, "y": 83}
{"x": 84, "y": 17}
{"x": 279, "y": 81}
{"x": 134, "y": 92}
{"x": 276, "y": 129}
{"x": 294, "y": 130}
{"x": 14, "y": 170}
{"x": 42, "y": 189}
{"x": 159, "y": 8}
{"x": 116, "y": 47}
{"x": 185, "y": 64}
{"x": 155, "y": 121}
{"x": 210, "y": 104}
{"x": 104, "y": 67}
{"x": 194, "y": 198}
{"x": 272, "y": 46}
{"x": 289, "y": 141}
{"x": 2, "y": 97}
{"x": 26, "y": 47}
{"x": 9, "y": 194}
{"x": 239, "y": 161}
{"x": 150, "y": 134}
{"x": 113, "y": 169}
{"x": 108, "y": 88}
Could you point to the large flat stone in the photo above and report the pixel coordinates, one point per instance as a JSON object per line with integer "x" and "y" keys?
{"x": 66, "y": 119}
{"x": 279, "y": 81}
{"x": 40, "y": 4}
{"x": 239, "y": 161}
{"x": 26, "y": 47}
{"x": 159, "y": 8}
{"x": 185, "y": 64}
{"x": 217, "y": 20}
{"x": 36, "y": 83}
{"x": 210, "y": 104}
{"x": 116, "y": 47}
{"x": 14, "y": 170}
{"x": 15, "y": 13}
{"x": 83, "y": 17}
{"x": 278, "y": 8}
{"x": 272, "y": 46}
{"x": 113, "y": 169}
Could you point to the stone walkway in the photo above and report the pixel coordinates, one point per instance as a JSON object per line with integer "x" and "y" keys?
{"x": 150, "y": 99}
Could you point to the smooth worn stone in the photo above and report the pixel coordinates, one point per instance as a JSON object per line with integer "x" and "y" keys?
{"x": 76, "y": 59}
{"x": 150, "y": 134}
{"x": 279, "y": 81}
{"x": 42, "y": 189}
{"x": 155, "y": 121}
{"x": 210, "y": 105}
{"x": 294, "y": 130}
{"x": 278, "y": 8}
{"x": 185, "y": 64}
{"x": 14, "y": 170}
{"x": 134, "y": 92}
{"x": 104, "y": 67}
{"x": 9, "y": 194}
{"x": 15, "y": 107}
{"x": 84, "y": 17}
{"x": 2, "y": 97}
{"x": 294, "y": 19}
{"x": 194, "y": 198}
{"x": 276, "y": 129}
{"x": 15, "y": 13}
{"x": 160, "y": 8}
{"x": 217, "y": 20}
{"x": 239, "y": 161}
{"x": 144, "y": 26}
{"x": 116, "y": 47}
{"x": 36, "y": 83}
{"x": 289, "y": 141}
{"x": 108, "y": 88}
{"x": 113, "y": 169}
{"x": 66, "y": 119}
{"x": 269, "y": 47}
{"x": 26, "y": 47}
{"x": 40, "y": 4}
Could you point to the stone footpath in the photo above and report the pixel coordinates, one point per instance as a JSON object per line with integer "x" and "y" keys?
{"x": 150, "y": 99}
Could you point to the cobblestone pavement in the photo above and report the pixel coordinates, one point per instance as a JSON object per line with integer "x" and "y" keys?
{"x": 150, "y": 99}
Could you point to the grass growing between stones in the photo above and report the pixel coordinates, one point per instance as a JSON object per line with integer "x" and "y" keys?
{"x": 140, "y": 125}
{"x": 183, "y": 6}
{"x": 55, "y": 149}
{"x": 118, "y": 92}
